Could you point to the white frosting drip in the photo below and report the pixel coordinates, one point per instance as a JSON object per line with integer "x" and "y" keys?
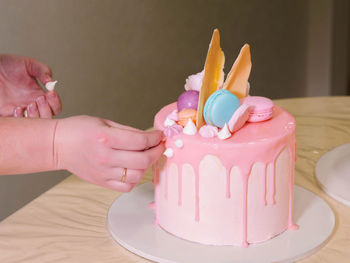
{"x": 50, "y": 85}
{"x": 169, "y": 152}
{"x": 179, "y": 143}
{"x": 224, "y": 133}
{"x": 168, "y": 122}
{"x": 190, "y": 128}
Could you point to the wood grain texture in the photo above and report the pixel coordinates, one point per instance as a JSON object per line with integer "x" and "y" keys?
{"x": 68, "y": 222}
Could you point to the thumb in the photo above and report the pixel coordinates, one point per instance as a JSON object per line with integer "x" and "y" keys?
{"x": 39, "y": 70}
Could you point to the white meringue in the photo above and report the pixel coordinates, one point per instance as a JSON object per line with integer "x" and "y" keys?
{"x": 194, "y": 82}
{"x": 50, "y": 85}
{"x": 169, "y": 152}
{"x": 168, "y": 122}
{"x": 208, "y": 131}
{"x": 170, "y": 131}
{"x": 179, "y": 143}
{"x": 190, "y": 128}
{"x": 224, "y": 133}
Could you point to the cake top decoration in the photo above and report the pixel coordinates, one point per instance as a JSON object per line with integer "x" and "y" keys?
{"x": 239, "y": 118}
{"x": 188, "y": 100}
{"x": 261, "y": 108}
{"x": 219, "y": 108}
{"x": 237, "y": 79}
{"x": 208, "y": 131}
{"x": 185, "y": 115}
{"x": 194, "y": 82}
{"x": 170, "y": 131}
{"x": 216, "y": 108}
{"x": 173, "y": 115}
{"x": 224, "y": 133}
{"x": 190, "y": 128}
{"x": 213, "y": 75}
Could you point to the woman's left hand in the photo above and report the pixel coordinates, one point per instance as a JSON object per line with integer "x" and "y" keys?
{"x": 20, "y": 90}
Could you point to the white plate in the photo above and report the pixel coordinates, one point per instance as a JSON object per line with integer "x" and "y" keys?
{"x": 333, "y": 173}
{"x": 131, "y": 223}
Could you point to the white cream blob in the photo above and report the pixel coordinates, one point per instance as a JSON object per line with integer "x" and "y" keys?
{"x": 224, "y": 133}
{"x": 179, "y": 143}
{"x": 50, "y": 85}
{"x": 169, "y": 122}
{"x": 194, "y": 82}
{"x": 208, "y": 131}
{"x": 190, "y": 128}
{"x": 169, "y": 152}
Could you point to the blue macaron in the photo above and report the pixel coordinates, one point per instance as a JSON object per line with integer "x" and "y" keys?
{"x": 220, "y": 107}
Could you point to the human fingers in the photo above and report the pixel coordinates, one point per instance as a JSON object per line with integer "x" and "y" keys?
{"x": 32, "y": 110}
{"x": 43, "y": 107}
{"x": 54, "y": 101}
{"x": 38, "y": 70}
{"x": 119, "y": 186}
{"x": 132, "y": 140}
{"x": 130, "y": 175}
{"x": 18, "y": 112}
{"x": 136, "y": 159}
{"x": 118, "y": 125}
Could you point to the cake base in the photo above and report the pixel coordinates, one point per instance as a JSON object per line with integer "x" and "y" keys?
{"x": 332, "y": 173}
{"x": 130, "y": 221}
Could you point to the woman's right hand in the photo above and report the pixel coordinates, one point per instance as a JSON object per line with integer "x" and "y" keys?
{"x": 98, "y": 150}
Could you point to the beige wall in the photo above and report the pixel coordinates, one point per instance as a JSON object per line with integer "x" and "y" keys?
{"x": 123, "y": 60}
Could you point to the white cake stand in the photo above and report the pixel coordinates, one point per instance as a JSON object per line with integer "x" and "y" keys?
{"x": 333, "y": 173}
{"x": 131, "y": 224}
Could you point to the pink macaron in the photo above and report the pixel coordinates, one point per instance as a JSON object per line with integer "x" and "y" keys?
{"x": 261, "y": 108}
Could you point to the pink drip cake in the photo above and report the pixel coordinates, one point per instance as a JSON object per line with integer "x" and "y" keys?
{"x": 224, "y": 183}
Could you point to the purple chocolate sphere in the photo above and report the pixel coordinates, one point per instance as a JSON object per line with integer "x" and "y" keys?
{"x": 188, "y": 100}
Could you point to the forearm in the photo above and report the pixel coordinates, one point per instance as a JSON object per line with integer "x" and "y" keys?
{"x": 26, "y": 145}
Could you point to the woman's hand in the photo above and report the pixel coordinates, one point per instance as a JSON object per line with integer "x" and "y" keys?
{"x": 20, "y": 91}
{"x": 98, "y": 150}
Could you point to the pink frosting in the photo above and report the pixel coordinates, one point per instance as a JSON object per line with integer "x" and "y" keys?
{"x": 254, "y": 143}
{"x": 173, "y": 115}
{"x": 173, "y": 130}
{"x": 208, "y": 131}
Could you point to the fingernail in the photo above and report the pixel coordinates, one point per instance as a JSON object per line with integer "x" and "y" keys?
{"x": 40, "y": 100}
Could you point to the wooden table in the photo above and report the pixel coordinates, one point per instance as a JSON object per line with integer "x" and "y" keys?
{"x": 68, "y": 222}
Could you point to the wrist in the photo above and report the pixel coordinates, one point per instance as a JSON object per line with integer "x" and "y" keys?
{"x": 57, "y": 146}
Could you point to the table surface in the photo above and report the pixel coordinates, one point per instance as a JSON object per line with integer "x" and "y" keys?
{"x": 68, "y": 222}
